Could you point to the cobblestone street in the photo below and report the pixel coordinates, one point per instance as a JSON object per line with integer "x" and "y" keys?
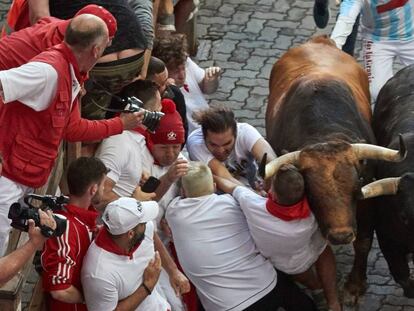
{"x": 245, "y": 38}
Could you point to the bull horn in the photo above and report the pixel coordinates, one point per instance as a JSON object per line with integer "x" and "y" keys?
{"x": 366, "y": 151}
{"x": 272, "y": 167}
{"x": 385, "y": 186}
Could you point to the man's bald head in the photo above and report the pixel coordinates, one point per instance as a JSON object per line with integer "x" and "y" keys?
{"x": 85, "y": 31}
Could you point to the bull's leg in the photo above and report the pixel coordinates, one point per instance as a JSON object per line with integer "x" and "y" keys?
{"x": 396, "y": 257}
{"x": 356, "y": 284}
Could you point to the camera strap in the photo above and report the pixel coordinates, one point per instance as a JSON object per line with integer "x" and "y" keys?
{"x": 119, "y": 99}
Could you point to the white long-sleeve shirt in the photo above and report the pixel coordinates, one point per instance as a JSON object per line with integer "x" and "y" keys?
{"x": 381, "y": 20}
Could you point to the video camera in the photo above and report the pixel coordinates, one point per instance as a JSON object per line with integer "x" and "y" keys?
{"x": 151, "y": 118}
{"x": 21, "y": 214}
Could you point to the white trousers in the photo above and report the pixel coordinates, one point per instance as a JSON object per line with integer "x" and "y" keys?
{"x": 379, "y": 59}
{"x": 10, "y": 192}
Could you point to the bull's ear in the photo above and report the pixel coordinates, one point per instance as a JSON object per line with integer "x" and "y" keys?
{"x": 385, "y": 186}
{"x": 262, "y": 166}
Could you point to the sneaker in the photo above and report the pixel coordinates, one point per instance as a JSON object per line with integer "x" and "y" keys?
{"x": 321, "y": 13}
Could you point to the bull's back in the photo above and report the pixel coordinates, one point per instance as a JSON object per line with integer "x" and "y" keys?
{"x": 315, "y": 59}
{"x": 394, "y": 110}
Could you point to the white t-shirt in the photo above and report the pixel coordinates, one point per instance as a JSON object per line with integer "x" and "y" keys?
{"x": 122, "y": 154}
{"x": 33, "y": 84}
{"x": 217, "y": 253}
{"x": 108, "y": 277}
{"x": 292, "y": 246}
{"x": 240, "y": 162}
{"x": 194, "y": 97}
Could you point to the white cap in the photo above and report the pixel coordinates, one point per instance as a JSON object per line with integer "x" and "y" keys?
{"x": 126, "y": 213}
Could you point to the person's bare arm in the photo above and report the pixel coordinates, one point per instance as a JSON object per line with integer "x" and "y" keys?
{"x": 178, "y": 281}
{"x": 11, "y": 264}
{"x": 218, "y": 169}
{"x": 151, "y": 275}
{"x": 225, "y": 185}
{"x": 68, "y": 295}
{"x": 211, "y": 80}
{"x": 38, "y": 9}
{"x": 260, "y": 148}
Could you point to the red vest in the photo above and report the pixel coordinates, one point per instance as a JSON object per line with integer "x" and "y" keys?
{"x": 29, "y": 140}
{"x": 21, "y": 46}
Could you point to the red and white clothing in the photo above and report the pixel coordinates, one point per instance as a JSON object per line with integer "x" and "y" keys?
{"x": 30, "y": 139}
{"x": 62, "y": 256}
{"x": 217, "y": 253}
{"x": 110, "y": 275}
{"x": 193, "y": 96}
{"x": 292, "y": 246}
{"x": 240, "y": 162}
{"x": 19, "y": 47}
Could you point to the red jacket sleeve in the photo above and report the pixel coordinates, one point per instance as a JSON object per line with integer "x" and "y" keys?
{"x": 59, "y": 258}
{"x": 79, "y": 129}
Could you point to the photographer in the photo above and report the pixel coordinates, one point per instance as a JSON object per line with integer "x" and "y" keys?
{"x": 62, "y": 256}
{"x": 12, "y": 263}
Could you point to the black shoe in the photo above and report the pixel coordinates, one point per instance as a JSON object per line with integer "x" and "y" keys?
{"x": 321, "y": 13}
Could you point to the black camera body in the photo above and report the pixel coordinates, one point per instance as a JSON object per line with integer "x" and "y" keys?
{"x": 20, "y": 214}
{"x": 151, "y": 118}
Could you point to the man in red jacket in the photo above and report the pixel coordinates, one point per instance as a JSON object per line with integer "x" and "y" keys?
{"x": 62, "y": 256}
{"x": 40, "y": 107}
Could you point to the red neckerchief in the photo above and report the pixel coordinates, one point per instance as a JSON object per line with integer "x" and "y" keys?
{"x": 87, "y": 216}
{"x": 104, "y": 240}
{"x": 186, "y": 88}
{"x": 299, "y": 210}
{"x": 80, "y": 76}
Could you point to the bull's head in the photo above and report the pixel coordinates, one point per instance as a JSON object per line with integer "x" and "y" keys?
{"x": 331, "y": 173}
{"x": 402, "y": 187}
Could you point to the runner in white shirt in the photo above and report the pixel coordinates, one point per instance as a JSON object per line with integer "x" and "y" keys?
{"x": 387, "y": 31}
{"x": 285, "y": 231}
{"x": 127, "y": 158}
{"x": 217, "y": 253}
{"x": 230, "y": 149}
{"x": 117, "y": 269}
{"x": 193, "y": 80}
{"x": 167, "y": 164}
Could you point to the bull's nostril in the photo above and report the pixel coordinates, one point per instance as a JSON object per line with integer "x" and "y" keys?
{"x": 338, "y": 238}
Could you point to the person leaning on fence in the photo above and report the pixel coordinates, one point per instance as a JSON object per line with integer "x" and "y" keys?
{"x": 62, "y": 256}
{"x": 193, "y": 81}
{"x": 19, "y": 47}
{"x": 39, "y": 108}
{"x": 121, "y": 62}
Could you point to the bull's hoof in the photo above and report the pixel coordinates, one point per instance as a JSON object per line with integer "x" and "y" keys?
{"x": 352, "y": 291}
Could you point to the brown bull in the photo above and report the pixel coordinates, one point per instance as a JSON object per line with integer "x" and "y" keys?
{"x": 319, "y": 111}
